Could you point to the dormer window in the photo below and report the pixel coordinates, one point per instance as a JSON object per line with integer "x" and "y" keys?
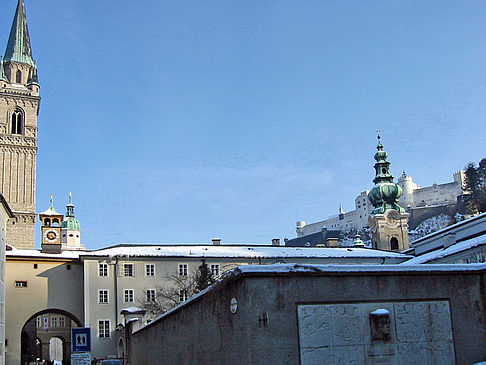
{"x": 17, "y": 125}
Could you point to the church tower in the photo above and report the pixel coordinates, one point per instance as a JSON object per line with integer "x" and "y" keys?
{"x": 71, "y": 229}
{"x": 19, "y": 107}
{"x": 388, "y": 221}
{"x": 51, "y": 229}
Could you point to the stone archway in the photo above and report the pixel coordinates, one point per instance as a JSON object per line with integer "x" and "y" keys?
{"x": 46, "y": 335}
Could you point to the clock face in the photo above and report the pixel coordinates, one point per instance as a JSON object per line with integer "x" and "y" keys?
{"x": 51, "y": 235}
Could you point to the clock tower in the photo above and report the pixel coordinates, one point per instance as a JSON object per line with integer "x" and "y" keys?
{"x": 388, "y": 221}
{"x": 19, "y": 107}
{"x": 51, "y": 230}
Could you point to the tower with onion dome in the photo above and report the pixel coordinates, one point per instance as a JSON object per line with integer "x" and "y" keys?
{"x": 388, "y": 221}
{"x": 71, "y": 229}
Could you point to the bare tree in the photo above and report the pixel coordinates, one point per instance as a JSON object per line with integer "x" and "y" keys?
{"x": 179, "y": 289}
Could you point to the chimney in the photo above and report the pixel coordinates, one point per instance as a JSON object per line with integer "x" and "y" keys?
{"x": 216, "y": 241}
{"x": 276, "y": 242}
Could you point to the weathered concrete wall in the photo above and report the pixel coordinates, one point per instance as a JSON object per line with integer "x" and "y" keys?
{"x": 205, "y": 330}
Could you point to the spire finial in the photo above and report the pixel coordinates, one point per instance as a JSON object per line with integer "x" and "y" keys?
{"x": 70, "y": 197}
{"x": 52, "y": 199}
{"x": 378, "y": 134}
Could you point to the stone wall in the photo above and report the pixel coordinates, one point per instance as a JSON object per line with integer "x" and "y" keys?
{"x": 429, "y": 309}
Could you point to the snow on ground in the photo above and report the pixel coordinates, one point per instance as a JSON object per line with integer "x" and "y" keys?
{"x": 429, "y": 226}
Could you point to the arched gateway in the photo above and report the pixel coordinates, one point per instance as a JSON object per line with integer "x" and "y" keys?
{"x": 47, "y": 336}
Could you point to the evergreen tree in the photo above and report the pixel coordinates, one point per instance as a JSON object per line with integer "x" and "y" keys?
{"x": 204, "y": 277}
{"x": 476, "y": 185}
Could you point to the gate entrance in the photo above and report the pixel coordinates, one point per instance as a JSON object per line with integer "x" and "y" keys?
{"x": 47, "y": 336}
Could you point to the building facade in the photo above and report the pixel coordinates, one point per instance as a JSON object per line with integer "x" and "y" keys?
{"x": 19, "y": 107}
{"x": 5, "y": 215}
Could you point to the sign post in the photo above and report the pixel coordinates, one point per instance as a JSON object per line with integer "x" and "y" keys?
{"x": 81, "y": 346}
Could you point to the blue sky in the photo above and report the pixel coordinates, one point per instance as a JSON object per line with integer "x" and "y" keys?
{"x": 180, "y": 121}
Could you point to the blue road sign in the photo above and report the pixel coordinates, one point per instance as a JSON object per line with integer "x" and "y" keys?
{"x": 81, "y": 339}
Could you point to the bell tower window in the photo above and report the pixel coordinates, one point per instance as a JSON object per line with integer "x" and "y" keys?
{"x": 18, "y": 77}
{"x": 17, "y": 126}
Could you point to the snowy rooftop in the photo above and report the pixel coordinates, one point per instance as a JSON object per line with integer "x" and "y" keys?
{"x": 240, "y": 251}
{"x": 38, "y": 254}
{"x": 444, "y": 252}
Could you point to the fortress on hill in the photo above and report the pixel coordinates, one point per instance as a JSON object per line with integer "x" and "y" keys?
{"x": 420, "y": 202}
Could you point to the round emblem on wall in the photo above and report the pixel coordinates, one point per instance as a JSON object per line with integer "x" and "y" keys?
{"x": 233, "y": 305}
{"x": 51, "y": 235}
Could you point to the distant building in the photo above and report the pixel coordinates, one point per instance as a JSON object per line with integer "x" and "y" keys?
{"x": 420, "y": 202}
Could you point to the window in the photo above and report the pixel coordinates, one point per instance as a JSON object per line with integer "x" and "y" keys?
{"x": 18, "y": 77}
{"x": 150, "y": 270}
{"x": 36, "y": 266}
{"x": 103, "y": 328}
{"x": 68, "y": 267}
{"x": 183, "y": 269}
{"x": 150, "y": 295}
{"x": 54, "y": 322}
{"x": 128, "y": 270}
{"x": 215, "y": 269}
{"x": 17, "y": 125}
{"x": 38, "y": 322}
{"x": 62, "y": 322}
{"x": 103, "y": 296}
{"x": 182, "y": 295}
{"x": 20, "y": 284}
{"x": 103, "y": 269}
{"x": 128, "y": 295}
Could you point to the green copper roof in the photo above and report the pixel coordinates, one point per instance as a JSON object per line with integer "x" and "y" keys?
{"x": 384, "y": 195}
{"x": 18, "y": 47}
{"x": 3, "y": 77}
{"x": 70, "y": 223}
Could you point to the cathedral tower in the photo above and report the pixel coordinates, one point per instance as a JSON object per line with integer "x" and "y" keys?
{"x": 388, "y": 221}
{"x": 19, "y": 107}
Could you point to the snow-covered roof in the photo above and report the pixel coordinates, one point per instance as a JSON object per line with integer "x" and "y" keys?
{"x": 313, "y": 268}
{"x": 444, "y": 252}
{"x": 241, "y": 251}
{"x": 38, "y": 254}
{"x": 132, "y": 310}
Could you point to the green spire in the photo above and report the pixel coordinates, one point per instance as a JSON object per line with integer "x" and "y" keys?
{"x": 18, "y": 47}
{"x": 382, "y": 166}
{"x": 358, "y": 242}
{"x": 3, "y": 77}
{"x": 70, "y": 222}
{"x": 384, "y": 195}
